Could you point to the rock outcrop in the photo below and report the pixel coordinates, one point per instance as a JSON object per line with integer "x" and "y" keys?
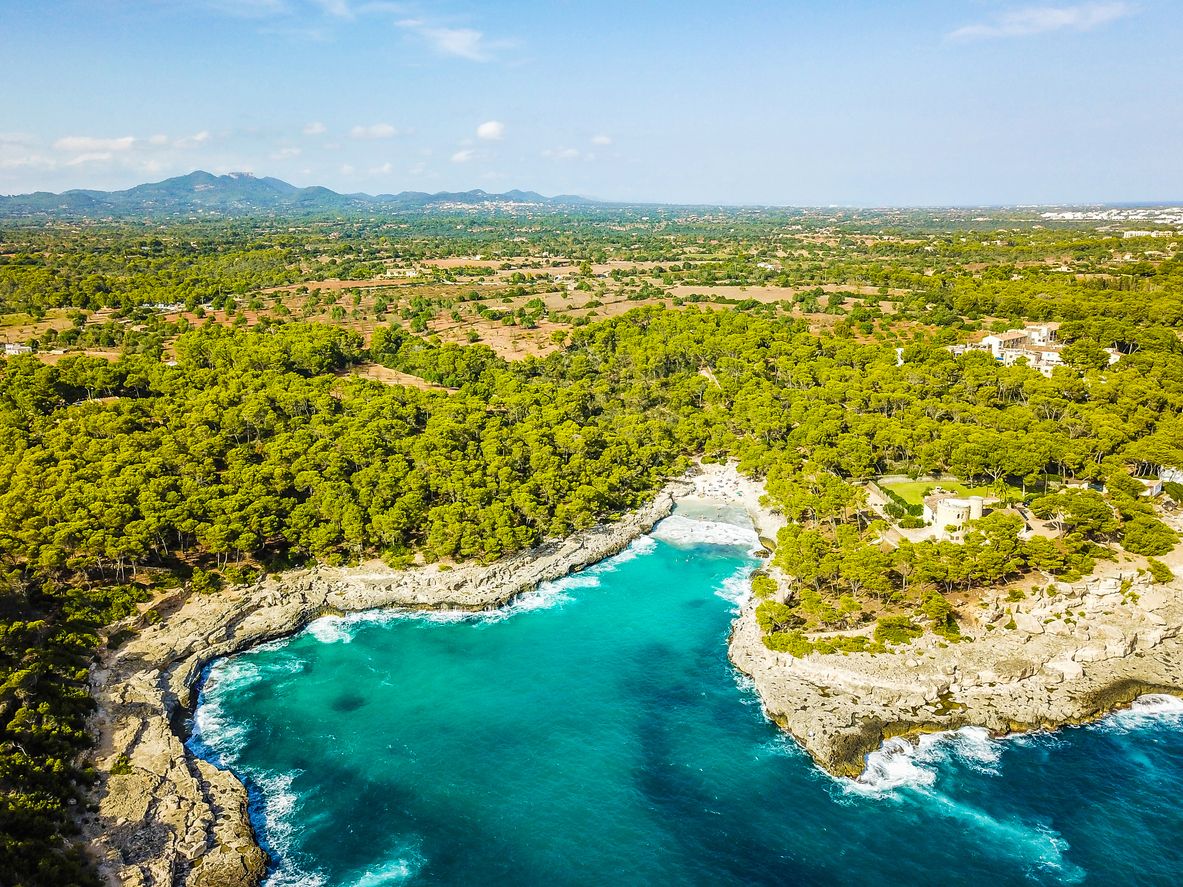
{"x": 167, "y": 818}
{"x": 1064, "y": 654}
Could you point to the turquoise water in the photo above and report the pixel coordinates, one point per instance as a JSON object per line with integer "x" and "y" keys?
{"x": 593, "y": 732}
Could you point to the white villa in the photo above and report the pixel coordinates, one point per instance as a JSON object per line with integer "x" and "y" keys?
{"x": 943, "y": 510}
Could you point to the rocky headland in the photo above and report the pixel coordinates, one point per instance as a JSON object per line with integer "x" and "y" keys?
{"x": 1062, "y": 654}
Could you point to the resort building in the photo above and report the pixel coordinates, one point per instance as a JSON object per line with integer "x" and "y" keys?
{"x": 1038, "y": 344}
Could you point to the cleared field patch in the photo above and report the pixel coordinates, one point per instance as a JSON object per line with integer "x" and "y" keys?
{"x": 387, "y": 376}
{"x": 914, "y": 491}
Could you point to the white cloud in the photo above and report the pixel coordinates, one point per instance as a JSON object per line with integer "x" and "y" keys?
{"x": 26, "y": 161}
{"x": 562, "y": 153}
{"x": 158, "y": 139}
{"x": 601, "y": 140}
{"x": 286, "y": 153}
{"x": 383, "y": 170}
{"x": 315, "y": 129}
{"x": 198, "y": 138}
{"x": 250, "y": 8}
{"x": 90, "y": 144}
{"x": 346, "y": 169}
{"x": 1042, "y": 19}
{"x": 491, "y": 131}
{"x": 90, "y": 157}
{"x": 465, "y": 43}
{"x": 463, "y": 155}
{"x": 336, "y": 8}
{"x": 374, "y": 131}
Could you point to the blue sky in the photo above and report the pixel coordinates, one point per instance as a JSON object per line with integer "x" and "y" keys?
{"x": 810, "y": 103}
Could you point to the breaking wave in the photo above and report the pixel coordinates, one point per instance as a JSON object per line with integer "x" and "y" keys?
{"x": 907, "y": 773}
{"x": 685, "y": 531}
{"x": 902, "y": 764}
{"x": 394, "y": 872}
{"x": 1153, "y": 707}
{"x": 554, "y": 593}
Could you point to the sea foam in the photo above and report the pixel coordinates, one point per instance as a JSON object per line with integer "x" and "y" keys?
{"x": 901, "y": 764}
{"x": 1145, "y": 710}
{"x": 394, "y": 872}
{"x": 685, "y": 531}
{"x": 907, "y": 773}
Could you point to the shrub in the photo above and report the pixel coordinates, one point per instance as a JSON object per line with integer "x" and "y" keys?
{"x": 1159, "y": 571}
{"x": 772, "y": 616}
{"x": 1148, "y": 535}
{"x": 792, "y": 642}
{"x": 896, "y": 630}
{"x": 204, "y": 582}
{"x": 763, "y": 585}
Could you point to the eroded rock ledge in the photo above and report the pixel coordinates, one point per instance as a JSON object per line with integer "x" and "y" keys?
{"x": 1072, "y": 654}
{"x": 167, "y": 818}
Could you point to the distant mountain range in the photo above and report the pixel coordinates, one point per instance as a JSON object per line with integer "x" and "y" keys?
{"x": 240, "y": 194}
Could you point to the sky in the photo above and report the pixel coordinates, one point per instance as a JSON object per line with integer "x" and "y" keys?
{"x": 793, "y": 102}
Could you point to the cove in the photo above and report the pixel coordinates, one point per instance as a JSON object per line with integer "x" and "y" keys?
{"x": 593, "y": 732}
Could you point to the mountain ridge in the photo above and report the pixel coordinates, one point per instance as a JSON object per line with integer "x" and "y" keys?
{"x": 242, "y": 193}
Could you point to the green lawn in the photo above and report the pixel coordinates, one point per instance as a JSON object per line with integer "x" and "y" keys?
{"x": 914, "y": 491}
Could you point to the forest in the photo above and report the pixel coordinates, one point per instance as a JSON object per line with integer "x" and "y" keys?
{"x": 206, "y": 450}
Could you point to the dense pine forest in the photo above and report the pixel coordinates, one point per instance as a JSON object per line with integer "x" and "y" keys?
{"x": 196, "y": 403}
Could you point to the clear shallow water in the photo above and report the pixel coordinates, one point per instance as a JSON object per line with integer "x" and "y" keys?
{"x": 593, "y": 732}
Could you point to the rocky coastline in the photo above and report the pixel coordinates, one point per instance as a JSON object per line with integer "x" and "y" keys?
{"x": 1063, "y": 654}
{"x": 165, "y": 817}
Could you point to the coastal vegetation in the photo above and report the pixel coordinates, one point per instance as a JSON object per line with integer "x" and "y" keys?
{"x": 204, "y": 419}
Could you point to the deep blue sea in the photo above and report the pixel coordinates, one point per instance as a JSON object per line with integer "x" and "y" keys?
{"x": 593, "y": 733}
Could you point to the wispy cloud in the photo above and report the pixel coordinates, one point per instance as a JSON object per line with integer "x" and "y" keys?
{"x": 250, "y": 8}
{"x": 193, "y": 141}
{"x": 601, "y": 139}
{"x": 563, "y": 154}
{"x": 491, "y": 131}
{"x": 463, "y": 155}
{"x": 373, "y": 131}
{"x": 90, "y": 144}
{"x": 315, "y": 129}
{"x": 1031, "y": 20}
{"x": 464, "y": 43}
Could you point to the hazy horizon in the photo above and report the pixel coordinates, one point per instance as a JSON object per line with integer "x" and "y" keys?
{"x": 923, "y": 104}
{"x": 1133, "y": 204}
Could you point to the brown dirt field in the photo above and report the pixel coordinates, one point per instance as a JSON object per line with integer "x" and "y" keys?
{"x": 387, "y": 376}
{"x": 336, "y": 284}
{"x": 759, "y": 293}
{"x": 775, "y": 293}
{"x": 52, "y": 358}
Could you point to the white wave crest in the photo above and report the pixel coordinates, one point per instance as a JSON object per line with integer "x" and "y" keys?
{"x": 330, "y": 629}
{"x": 1157, "y": 704}
{"x": 395, "y": 872}
{"x": 736, "y": 589}
{"x": 685, "y": 531}
{"x": 216, "y": 736}
{"x": 556, "y": 592}
{"x": 908, "y": 773}
{"x": 1144, "y": 711}
{"x": 902, "y": 764}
